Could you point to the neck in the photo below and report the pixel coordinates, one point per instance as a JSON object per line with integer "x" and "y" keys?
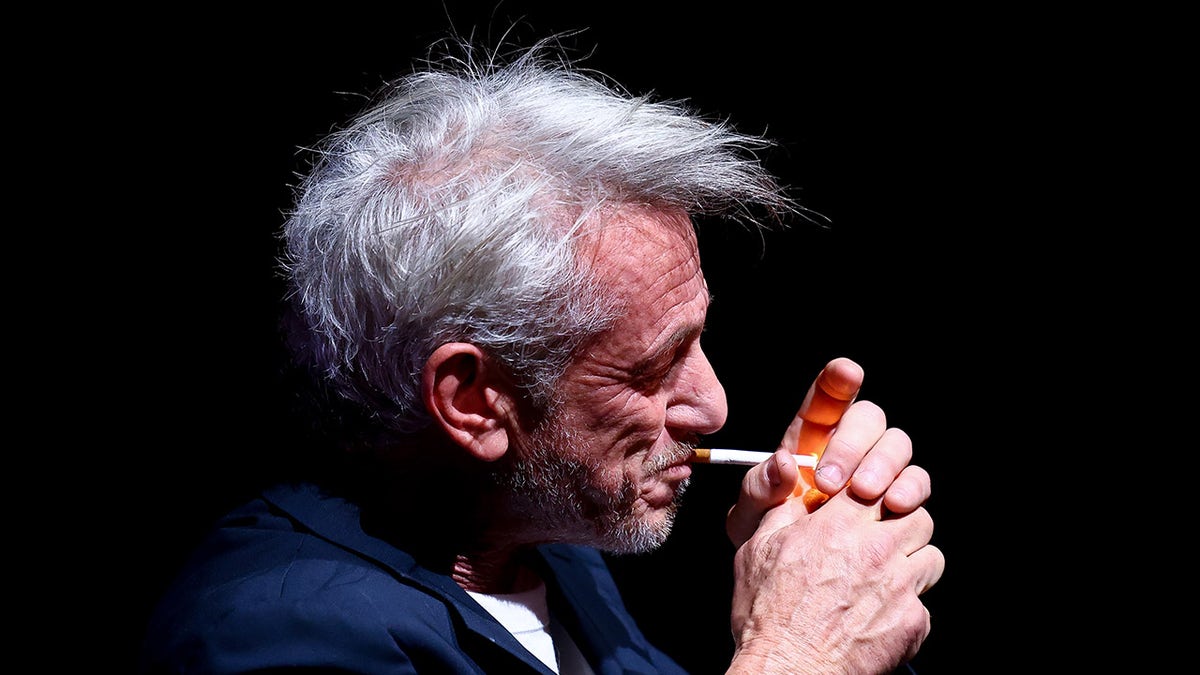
{"x": 494, "y": 573}
{"x": 452, "y": 526}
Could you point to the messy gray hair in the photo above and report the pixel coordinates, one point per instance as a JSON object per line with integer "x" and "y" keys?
{"x": 450, "y": 210}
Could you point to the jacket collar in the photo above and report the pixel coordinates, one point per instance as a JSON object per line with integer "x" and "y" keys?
{"x": 579, "y": 588}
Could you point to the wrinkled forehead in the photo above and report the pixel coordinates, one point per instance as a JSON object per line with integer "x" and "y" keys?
{"x": 648, "y": 264}
{"x": 639, "y": 241}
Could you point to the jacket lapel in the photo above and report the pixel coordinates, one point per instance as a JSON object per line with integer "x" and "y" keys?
{"x": 336, "y": 520}
{"x": 584, "y": 597}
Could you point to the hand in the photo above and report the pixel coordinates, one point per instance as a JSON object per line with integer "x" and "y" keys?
{"x": 877, "y": 468}
{"x": 833, "y": 588}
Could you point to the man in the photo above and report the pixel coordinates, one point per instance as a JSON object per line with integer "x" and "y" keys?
{"x": 499, "y": 299}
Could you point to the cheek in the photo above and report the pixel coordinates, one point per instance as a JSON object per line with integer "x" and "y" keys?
{"x": 642, "y": 423}
{"x": 626, "y": 413}
{"x": 625, "y": 439}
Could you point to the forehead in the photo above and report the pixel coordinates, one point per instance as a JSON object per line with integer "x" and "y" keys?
{"x": 636, "y": 248}
{"x": 649, "y": 262}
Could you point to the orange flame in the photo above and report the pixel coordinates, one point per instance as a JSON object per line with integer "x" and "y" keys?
{"x": 806, "y": 489}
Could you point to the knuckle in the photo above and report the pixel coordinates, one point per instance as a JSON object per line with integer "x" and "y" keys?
{"x": 877, "y": 552}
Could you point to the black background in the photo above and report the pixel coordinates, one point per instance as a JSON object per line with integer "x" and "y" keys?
{"x": 943, "y": 149}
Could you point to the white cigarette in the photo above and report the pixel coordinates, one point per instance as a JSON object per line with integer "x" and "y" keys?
{"x": 743, "y": 457}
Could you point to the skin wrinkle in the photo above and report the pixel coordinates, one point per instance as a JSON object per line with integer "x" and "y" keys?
{"x": 634, "y": 274}
{"x": 617, "y": 377}
{"x": 635, "y": 429}
{"x": 512, "y": 353}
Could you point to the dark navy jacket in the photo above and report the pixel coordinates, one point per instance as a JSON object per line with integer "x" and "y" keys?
{"x": 293, "y": 580}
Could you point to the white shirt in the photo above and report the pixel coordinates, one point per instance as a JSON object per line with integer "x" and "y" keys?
{"x": 527, "y": 616}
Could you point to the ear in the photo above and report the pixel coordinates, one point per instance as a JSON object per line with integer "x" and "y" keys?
{"x": 468, "y": 397}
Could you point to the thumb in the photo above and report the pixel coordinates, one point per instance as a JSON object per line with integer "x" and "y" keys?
{"x": 765, "y": 486}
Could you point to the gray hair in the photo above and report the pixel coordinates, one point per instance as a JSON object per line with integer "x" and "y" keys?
{"x": 450, "y": 210}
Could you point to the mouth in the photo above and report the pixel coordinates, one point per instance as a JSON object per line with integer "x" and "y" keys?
{"x": 669, "y": 477}
{"x": 674, "y": 465}
{"x": 677, "y": 456}
{"x": 676, "y": 472}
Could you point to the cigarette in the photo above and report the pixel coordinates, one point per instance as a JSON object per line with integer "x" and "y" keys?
{"x": 742, "y": 457}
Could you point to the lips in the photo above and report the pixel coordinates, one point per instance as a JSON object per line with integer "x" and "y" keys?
{"x": 676, "y": 472}
{"x": 676, "y": 455}
{"x": 662, "y": 489}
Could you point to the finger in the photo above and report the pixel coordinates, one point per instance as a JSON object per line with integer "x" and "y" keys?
{"x": 913, "y": 522}
{"x": 930, "y": 564}
{"x": 919, "y": 531}
{"x": 910, "y": 490}
{"x": 827, "y": 399}
{"x": 764, "y": 487}
{"x": 866, "y": 451}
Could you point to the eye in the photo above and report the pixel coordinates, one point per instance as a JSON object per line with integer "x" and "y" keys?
{"x": 650, "y": 376}
{"x": 652, "y": 381}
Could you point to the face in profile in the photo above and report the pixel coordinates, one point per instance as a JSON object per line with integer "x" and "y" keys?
{"x": 608, "y": 464}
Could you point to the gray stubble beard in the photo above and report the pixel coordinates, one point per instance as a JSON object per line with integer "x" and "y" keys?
{"x": 562, "y": 502}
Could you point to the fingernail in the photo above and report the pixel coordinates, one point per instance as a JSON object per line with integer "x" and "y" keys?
{"x": 830, "y": 473}
{"x": 773, "y": 477}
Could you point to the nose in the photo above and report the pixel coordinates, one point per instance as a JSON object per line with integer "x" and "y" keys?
{"x": 697, "y": 404}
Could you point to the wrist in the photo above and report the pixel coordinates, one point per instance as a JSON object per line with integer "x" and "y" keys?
{"x": 761, "y": 659}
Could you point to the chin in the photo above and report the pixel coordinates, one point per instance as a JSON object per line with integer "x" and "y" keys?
{"x": 644, "y": 532}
